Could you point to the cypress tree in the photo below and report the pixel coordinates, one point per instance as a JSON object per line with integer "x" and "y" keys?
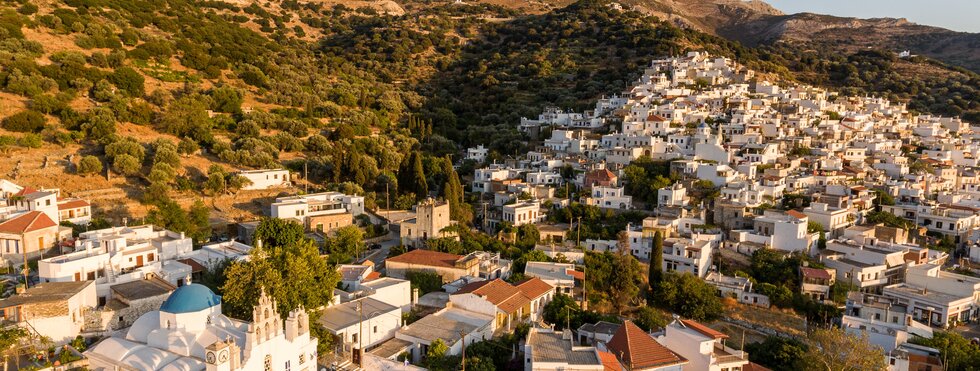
{"x": 419, "y": 184}
{"x": 657, "y": 259}
{"x": 452, "y": 191}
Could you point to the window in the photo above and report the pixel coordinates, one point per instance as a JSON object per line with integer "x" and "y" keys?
{"x": 287, "y": 365}
{"x": 375, "y": 329}
{"x": 149, "y": 257}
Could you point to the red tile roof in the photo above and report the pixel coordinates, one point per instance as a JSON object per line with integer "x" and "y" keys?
{"x": 503, "y": 295}
{"x": 72, "y": 204}
{"x": 534, "y": 287}
{"x": 574, "y": 273}
{"x": 372, "y": 276}
{"x": 427, "y": 258}
{"x": 815, "y": 273}
{"x": 25, "y": 191}
{"x": 603, "y": 174}
{"x": 30, "y": 221}
{"x": 705, "y": 330}
{"x": 796, "y": 214}
{"x": 656, "y": 118}
{"x": 609, "y": 361}
{"x": 638, "y": 350}
{"x": 195, "y": 266}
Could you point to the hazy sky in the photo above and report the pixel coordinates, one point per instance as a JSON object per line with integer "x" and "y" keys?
{"x": 957, "y": 15}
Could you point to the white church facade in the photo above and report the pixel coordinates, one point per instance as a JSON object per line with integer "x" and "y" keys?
{"x": 189, "y": 333}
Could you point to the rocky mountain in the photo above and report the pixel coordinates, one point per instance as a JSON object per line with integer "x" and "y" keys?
{"x": 756, "y": 22}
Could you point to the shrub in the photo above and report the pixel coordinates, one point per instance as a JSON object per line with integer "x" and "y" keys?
{"x": 30, "y": 140}
{"x": 25, "y": 122}
{"x": 90, "y": 165}
{"x": 126, "y": 164}
{"x": 129, "y": 81}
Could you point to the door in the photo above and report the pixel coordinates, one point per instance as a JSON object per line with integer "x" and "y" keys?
{"x": 40, "y": 243}
{"x": 139, "y": 261}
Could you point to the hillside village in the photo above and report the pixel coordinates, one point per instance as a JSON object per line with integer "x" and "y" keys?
{"x": 737, "y": 195}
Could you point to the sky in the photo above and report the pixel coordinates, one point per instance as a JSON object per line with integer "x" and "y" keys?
{"x": 957, "y": 15}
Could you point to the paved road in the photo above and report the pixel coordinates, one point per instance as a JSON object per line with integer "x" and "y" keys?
{"x": 378, "y": 256}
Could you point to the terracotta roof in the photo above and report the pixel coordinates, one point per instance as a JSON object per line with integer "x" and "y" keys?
{"x": 534, "y": 287}
{"x": 815, "y": 273}
{"x": 638, "y": 350}
{"x": 656, "y": 118}
{"x": 30, "y": 221}
{"x": 505, "y": 296}
{"x": 752, "y": 366}
{"x": 796, "y": 214}
{"x": 603, "y": 174}
{"x": 427, "y": 258}
{"x": 705, "y": 330}
{"x": 574, "y": 273}
{"x": 195, "y": 266}
{"x": 372, "y": 276}
{"x": 609, "y": 361}
{"x": 72, "y": 204}
{"x": 26, "y": 191}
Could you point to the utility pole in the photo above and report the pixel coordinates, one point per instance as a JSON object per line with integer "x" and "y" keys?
{"x": 306, "y": 176}
{"x": 27, "y": 269}
{"x": 360, "y": 330}
{"x": 463, "y": 337}
{"x": 388, "y": 202}
{"x": 585, "y": 281}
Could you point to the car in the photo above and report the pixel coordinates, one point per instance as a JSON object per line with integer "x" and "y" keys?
{"x": 374, "y": 246}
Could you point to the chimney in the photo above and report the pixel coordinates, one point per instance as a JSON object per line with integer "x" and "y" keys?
{"x": 415, "y": 296}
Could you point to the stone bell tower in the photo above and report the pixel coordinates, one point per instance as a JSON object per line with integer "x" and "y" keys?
{"x": 266, "y": 323}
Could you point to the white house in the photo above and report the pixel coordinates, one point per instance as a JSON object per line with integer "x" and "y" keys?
{"x": 478, "y": 153}
{"x": 610, "y": 198}
{"x": 451, "y": 326}
{"x": 702, "y": 346}
{"x": 121, "y": 254}
{"x": 361, "y": 324}
{"x": 547, "y": 350}
{"x": 265, "y": 178}
{"x": 302, "y": 207}
{"x": 53, "y": 309}
{"x": 527, "y": 212}
{"x": 687, "y": 255}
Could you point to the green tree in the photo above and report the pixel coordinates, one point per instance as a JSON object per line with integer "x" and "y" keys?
{"x": 411, "y": 176}
{"x": 276, "y": 232}
{"x": 345, "y": 245}
{"x": 89, "y": 165}
{"x": 957, "y": 351}
{"x": 834, "y": 349}
{"x": 453, "y": 193}
{"x": 649, "y": 319}
{"x": 425, "y": 282}
{"x": 25, "y": 122}
{"x": 778, "y": 353}
{"x": 560, "y": 310}
{"x": 126, "y": 164}
{"x": 294, "y": 274}
{"x": 688, "y": 296}
{"x": 656, "y": 259}
{"x": 128, "y": 81}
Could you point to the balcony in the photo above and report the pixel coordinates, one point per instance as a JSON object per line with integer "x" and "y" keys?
{"x": 722, "y": 354}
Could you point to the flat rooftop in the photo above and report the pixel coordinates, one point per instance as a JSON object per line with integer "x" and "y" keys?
{"x": 344, "y": 315}
{"x": 446, "y": 325}
{"x": 552, "y": 347}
